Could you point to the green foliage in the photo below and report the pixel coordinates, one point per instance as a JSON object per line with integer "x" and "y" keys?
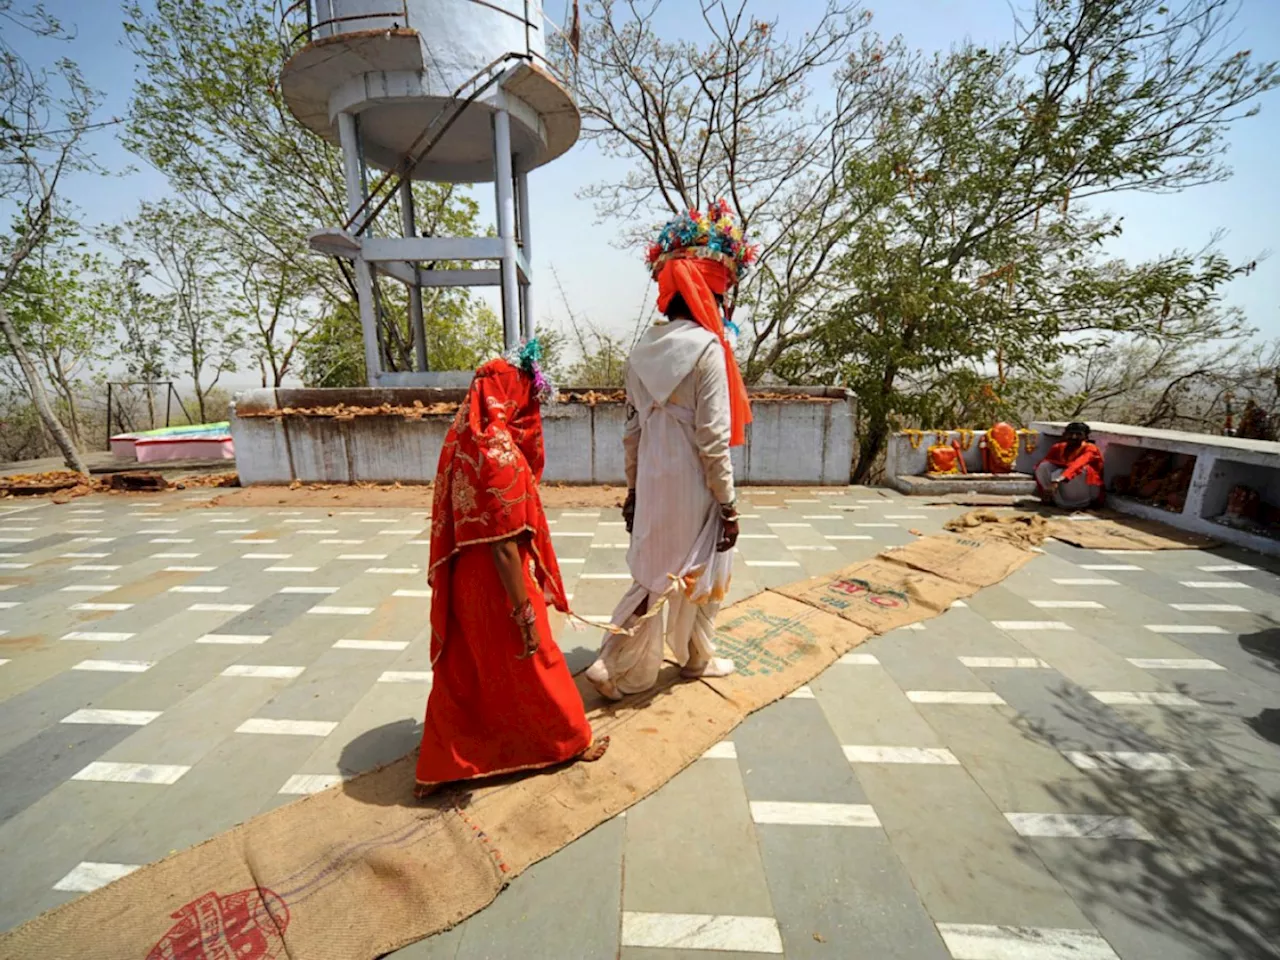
{"x": 982, "y": 269}
{"x": 208, "y": 113}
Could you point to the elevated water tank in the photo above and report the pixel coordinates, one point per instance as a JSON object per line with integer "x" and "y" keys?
{"x": 405, "y": 67}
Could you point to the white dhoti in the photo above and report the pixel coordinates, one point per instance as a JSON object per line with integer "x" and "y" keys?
{"x": 677, "y": 443}
{"x": 1073, "y": 494}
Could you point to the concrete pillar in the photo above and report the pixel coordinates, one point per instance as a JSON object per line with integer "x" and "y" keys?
{"x": 349, "y": 134}
{"x": 526, "y": 290}
{"x": 506, "y": 202}
{"x": 415, "y": 291}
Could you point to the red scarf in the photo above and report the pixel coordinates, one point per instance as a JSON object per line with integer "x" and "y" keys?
{"x": 698, "y": 280}
{"x": 487, "y": 485}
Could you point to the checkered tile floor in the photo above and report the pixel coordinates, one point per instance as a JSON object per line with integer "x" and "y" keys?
{"x": 1078, "y": 763}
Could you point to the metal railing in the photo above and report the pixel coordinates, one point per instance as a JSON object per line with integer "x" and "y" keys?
{"x": 317, "y": 27}
{"x": 303, "y": 21}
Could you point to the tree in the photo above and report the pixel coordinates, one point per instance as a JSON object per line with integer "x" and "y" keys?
{"x": 141, "y": 318}
{"x": 729, "y": 110}
{"x": 983, "y": 266}
{"x": 44, "y": 116}
{"x": 57, "y": 312}
{"x": 184, "y": 262}
{"x": 209, "y": 114}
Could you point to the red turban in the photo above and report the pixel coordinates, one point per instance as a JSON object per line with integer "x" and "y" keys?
{"x": 698, "y": 280}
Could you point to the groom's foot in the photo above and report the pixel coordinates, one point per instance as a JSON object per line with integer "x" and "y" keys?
{"x": 598, "y": 677}
{"x": 715, "y": 667}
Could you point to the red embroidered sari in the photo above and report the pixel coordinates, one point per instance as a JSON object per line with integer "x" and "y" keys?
{"x": 490, "y": 712}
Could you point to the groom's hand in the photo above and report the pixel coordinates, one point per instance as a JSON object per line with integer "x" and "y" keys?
{"x": 629, "y": 510}
{"x": 728, "y": 528}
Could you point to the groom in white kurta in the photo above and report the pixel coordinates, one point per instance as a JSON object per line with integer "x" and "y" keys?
{"x": 678, "y": 468}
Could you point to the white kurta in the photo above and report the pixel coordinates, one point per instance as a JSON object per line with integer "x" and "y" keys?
{"x": 677, "y": 450}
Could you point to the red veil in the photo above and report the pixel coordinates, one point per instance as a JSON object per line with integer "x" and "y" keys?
{"x": 487, "y": 485}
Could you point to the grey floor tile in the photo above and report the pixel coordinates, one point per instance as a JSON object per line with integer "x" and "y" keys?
{"x": 536, "y": 909}
{"x": 841, "y": 891}
{"x": 691, "y": 847}
{"x": 788, "y": 752}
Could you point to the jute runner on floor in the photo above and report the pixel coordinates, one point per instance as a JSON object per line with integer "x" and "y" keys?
{"x": 361, "y": 870}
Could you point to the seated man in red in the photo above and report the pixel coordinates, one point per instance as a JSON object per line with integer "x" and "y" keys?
{"x": 1070, "y": 475}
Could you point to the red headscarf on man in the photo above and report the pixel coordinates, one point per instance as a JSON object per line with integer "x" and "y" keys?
{"x": 698, "y": 280}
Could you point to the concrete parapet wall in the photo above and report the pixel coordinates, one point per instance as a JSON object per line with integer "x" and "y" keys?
{"x": 800, "y": 436}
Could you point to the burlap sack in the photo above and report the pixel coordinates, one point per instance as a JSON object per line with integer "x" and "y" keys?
{"x": 879, "y": 594}
{"x": 977, "y": 562}
{"x": 1119, "y": 532}
{"x": 1020, "y": 528}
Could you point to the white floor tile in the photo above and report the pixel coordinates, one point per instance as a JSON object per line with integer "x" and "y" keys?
{"x": 262, "y": 671}
{"x": 124, "y": 718}
{"x": 1142, "y": 698}
{"x": 1174, "y": 663}
{"x": 93, "y": 636}
{"x": 341, "y": 611}
{"x": 1109, "y": 566}
{"x": 235, "y": 639}
{"x": 682, "y": 931}
{"x": 724, "y": 750}
{"x": 814, "y": 814}
{"x": 976, "y": 941}
{"x": 1209, "y": 607}
{"x": 405, "y": 676}
{"x": 1057, "y": 625}
{"x": 1215, "y": 585}
{"x": 102, "y": 771}
{"x": 115, "y": 666}
{"x": 220, "y": 607}
{"x": 1083, "y": 826}
{"x": 1086, "y": 582}
{"x": 859, "y": 660}
{"x": 1188, "y": 628}
{"x": 101, "y": 607}
{"x": 876, "y": 754}
{"x": 371, "y": 645}
{"x": 406, "y": 592}
{"x": 287, "y": 728}
{"x": 301, "y": 784}
{"x": 1005, "y": 663}
{"x": 962, "y": 697}
{"x": 318, "y": 591}
{"x": 1124, "y": 760}
{"x": 197, "y": 588}
{"x": 1067, "y": 604}
{"x": 89, "y": 876}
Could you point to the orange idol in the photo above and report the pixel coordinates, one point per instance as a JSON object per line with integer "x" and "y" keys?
{"x": 1000, "y": 448}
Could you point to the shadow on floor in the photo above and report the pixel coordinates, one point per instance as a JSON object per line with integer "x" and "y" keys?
{"x": 1208, "y": 881}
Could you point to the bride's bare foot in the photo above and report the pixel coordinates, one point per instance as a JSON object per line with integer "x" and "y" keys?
{"x": 423, "y": 790}
{"x": 715, "y": 667}
{"x": 594, "y": 752}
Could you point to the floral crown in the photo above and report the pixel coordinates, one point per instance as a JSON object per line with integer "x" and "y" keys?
{"x": 527, "y": 357}
{"x": 713, "y": 235}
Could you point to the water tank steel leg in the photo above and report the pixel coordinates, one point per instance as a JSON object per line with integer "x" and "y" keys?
{"x": 526, "y": 243}
{"x": 415, "y": 291}
{"x": 506, "y": 227}
{"x": 349, "y": 134}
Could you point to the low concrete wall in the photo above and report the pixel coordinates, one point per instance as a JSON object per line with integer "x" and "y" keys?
{"x": 1221, "y": 464}
{"x": 804, "y": 438}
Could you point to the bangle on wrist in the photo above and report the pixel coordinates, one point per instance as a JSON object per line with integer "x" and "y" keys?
{"x": 523, "y": 613}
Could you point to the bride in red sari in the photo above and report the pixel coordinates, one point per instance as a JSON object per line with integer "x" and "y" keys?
{"x": 502, "y": 698}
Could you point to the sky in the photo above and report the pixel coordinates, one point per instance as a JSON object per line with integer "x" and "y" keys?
{"x": 610, "y": 287}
